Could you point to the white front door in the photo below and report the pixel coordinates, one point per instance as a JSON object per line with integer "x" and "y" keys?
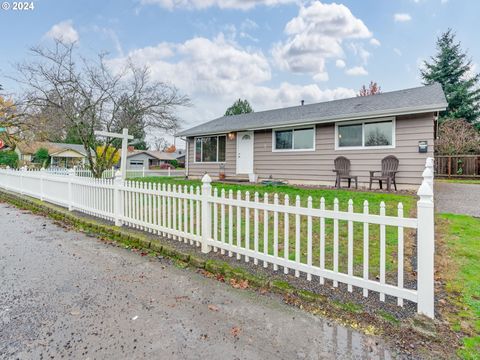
{"x": 245, "y": 152}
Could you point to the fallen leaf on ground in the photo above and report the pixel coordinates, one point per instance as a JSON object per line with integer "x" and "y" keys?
{"x": 239, "y": 284}
{"x": 235, "y": 331}
{"x": 212, "y": 307}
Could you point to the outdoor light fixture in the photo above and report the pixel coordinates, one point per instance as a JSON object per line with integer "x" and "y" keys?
{"x": 231, "y": 136}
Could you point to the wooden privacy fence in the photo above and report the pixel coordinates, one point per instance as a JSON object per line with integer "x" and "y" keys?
{"x": 457, "y": 165}
{"x": 325, "y": 244}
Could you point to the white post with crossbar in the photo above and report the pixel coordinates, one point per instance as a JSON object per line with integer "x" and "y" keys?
{"x": 125, "y": 137}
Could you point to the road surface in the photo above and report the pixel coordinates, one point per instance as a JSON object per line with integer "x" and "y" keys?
{"x": 67, "y": 295}
{"x": 457, "y": 198}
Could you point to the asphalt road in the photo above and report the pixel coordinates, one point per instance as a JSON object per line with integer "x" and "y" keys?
{"x": 457, "y": 198}
{"x": 66, "y": 295}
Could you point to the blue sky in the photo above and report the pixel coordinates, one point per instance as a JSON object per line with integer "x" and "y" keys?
{"x": 272, "y": 52}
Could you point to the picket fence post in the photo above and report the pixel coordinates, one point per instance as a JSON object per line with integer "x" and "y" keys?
{"x": 22, "y": 169}
{"x": 426, "y": 243}
{"x": 428, "y": 173}
{"x": 71, "y": 175}
{"x": 206, "y": 213}
{"x": 42, "y": 172}
{"x": 117, "y": 201}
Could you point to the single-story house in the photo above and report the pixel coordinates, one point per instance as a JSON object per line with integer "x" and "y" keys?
{"x": 147, "y": 159}
{"x": 299, "y": 144}
{"x": 61, "y": 154}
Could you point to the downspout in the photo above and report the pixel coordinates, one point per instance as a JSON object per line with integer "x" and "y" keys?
{"x": 187, "y": 149}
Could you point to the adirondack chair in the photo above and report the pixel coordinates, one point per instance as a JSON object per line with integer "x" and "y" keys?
{"x": 388, "y": 172}
{"x": 342, "y": 171}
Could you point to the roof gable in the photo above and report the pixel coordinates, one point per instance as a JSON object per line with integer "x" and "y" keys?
{"x": 31, "y": 147}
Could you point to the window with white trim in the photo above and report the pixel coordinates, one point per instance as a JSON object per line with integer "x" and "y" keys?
{"x": 297, "y": 139}
{"x": 136, "y": 162}
{"x": 366, "y": 134}
{"x": 210, "y": 148}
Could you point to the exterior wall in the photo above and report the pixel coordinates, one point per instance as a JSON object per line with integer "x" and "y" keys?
{"x": 213, "y": 169}
{"x": 318, "y": 165}
{"x": 141, "y": 156}
{"x": 27, "y": 158}
{"x": 315, "y": 167}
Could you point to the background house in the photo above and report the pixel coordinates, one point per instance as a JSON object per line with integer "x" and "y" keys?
{"x": 146, "y": 159}
{"x": 61, "y": 154}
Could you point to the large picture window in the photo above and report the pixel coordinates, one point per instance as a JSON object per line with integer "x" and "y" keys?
{"x": 298, "y": 139}
{"x": 210, "y": 148}
{"x": 369, "y": 134}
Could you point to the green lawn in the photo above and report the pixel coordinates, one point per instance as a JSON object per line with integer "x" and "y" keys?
{"x": 462, "y": 241}
{"x": 358, "y": 197}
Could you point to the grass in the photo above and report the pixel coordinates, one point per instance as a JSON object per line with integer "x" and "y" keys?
{"x": 459, "y": 181}
{"x": 391, "y": 201}
{"x": 462, "y": 242}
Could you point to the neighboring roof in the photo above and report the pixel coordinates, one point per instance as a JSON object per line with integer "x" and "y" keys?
{"x": 160, "y": 155}
{"x": 421, "y": 99}
{"x": 31, "y": 147}
{"x": 179, "y": 153}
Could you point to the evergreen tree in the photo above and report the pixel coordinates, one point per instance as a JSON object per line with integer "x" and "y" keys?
{"x": 239, "y": 107}
{"x": 452, "y": 68}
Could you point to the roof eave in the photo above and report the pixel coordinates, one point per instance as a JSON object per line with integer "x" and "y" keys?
{"x": 375, "y": 114}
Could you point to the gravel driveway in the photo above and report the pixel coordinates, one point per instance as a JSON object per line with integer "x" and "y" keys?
{"x": 457, "y": 198}
{"x": 66, "y": 295}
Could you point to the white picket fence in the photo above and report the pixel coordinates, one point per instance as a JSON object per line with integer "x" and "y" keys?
{"x": 110, "y": 173}
{"x": 258, "y": 230}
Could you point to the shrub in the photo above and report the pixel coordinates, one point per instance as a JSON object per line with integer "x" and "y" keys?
{"x": 41, "y": 157}
{"x": 174, "y": 163}
{"x": 166, "y": 166}
{"x": 9, "y": 158}
{"x": 457, "y": 137}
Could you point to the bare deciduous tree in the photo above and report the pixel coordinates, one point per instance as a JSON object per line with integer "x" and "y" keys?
{"x": 373, "y": 89}
{"x": 457, "y": 137}
{"x": 160, "y": 143}
{"x": 89, "y": 95}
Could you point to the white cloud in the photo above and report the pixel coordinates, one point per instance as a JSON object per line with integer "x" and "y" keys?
{"x": 359, "y": 51}
{"x": 402, "y": 17}
{"x": 248, "y": 24}
{"x": 397, "y": 51}
{"x": 63, "y": 31}
{"x": 216, "y": 72}
{"x": 356, "y": 71}
{"x": 340, "y": 64}
{"x": 316, "y": 35}
{"x": 222, "y": 4}
{"x": 375, "y": 42}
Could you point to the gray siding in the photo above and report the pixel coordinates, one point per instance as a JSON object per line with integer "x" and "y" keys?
{"x": 199, "y": 169}
{"x": 316, "y": 166}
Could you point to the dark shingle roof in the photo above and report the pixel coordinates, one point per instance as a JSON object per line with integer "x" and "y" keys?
{"x": 419, "y": 99}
